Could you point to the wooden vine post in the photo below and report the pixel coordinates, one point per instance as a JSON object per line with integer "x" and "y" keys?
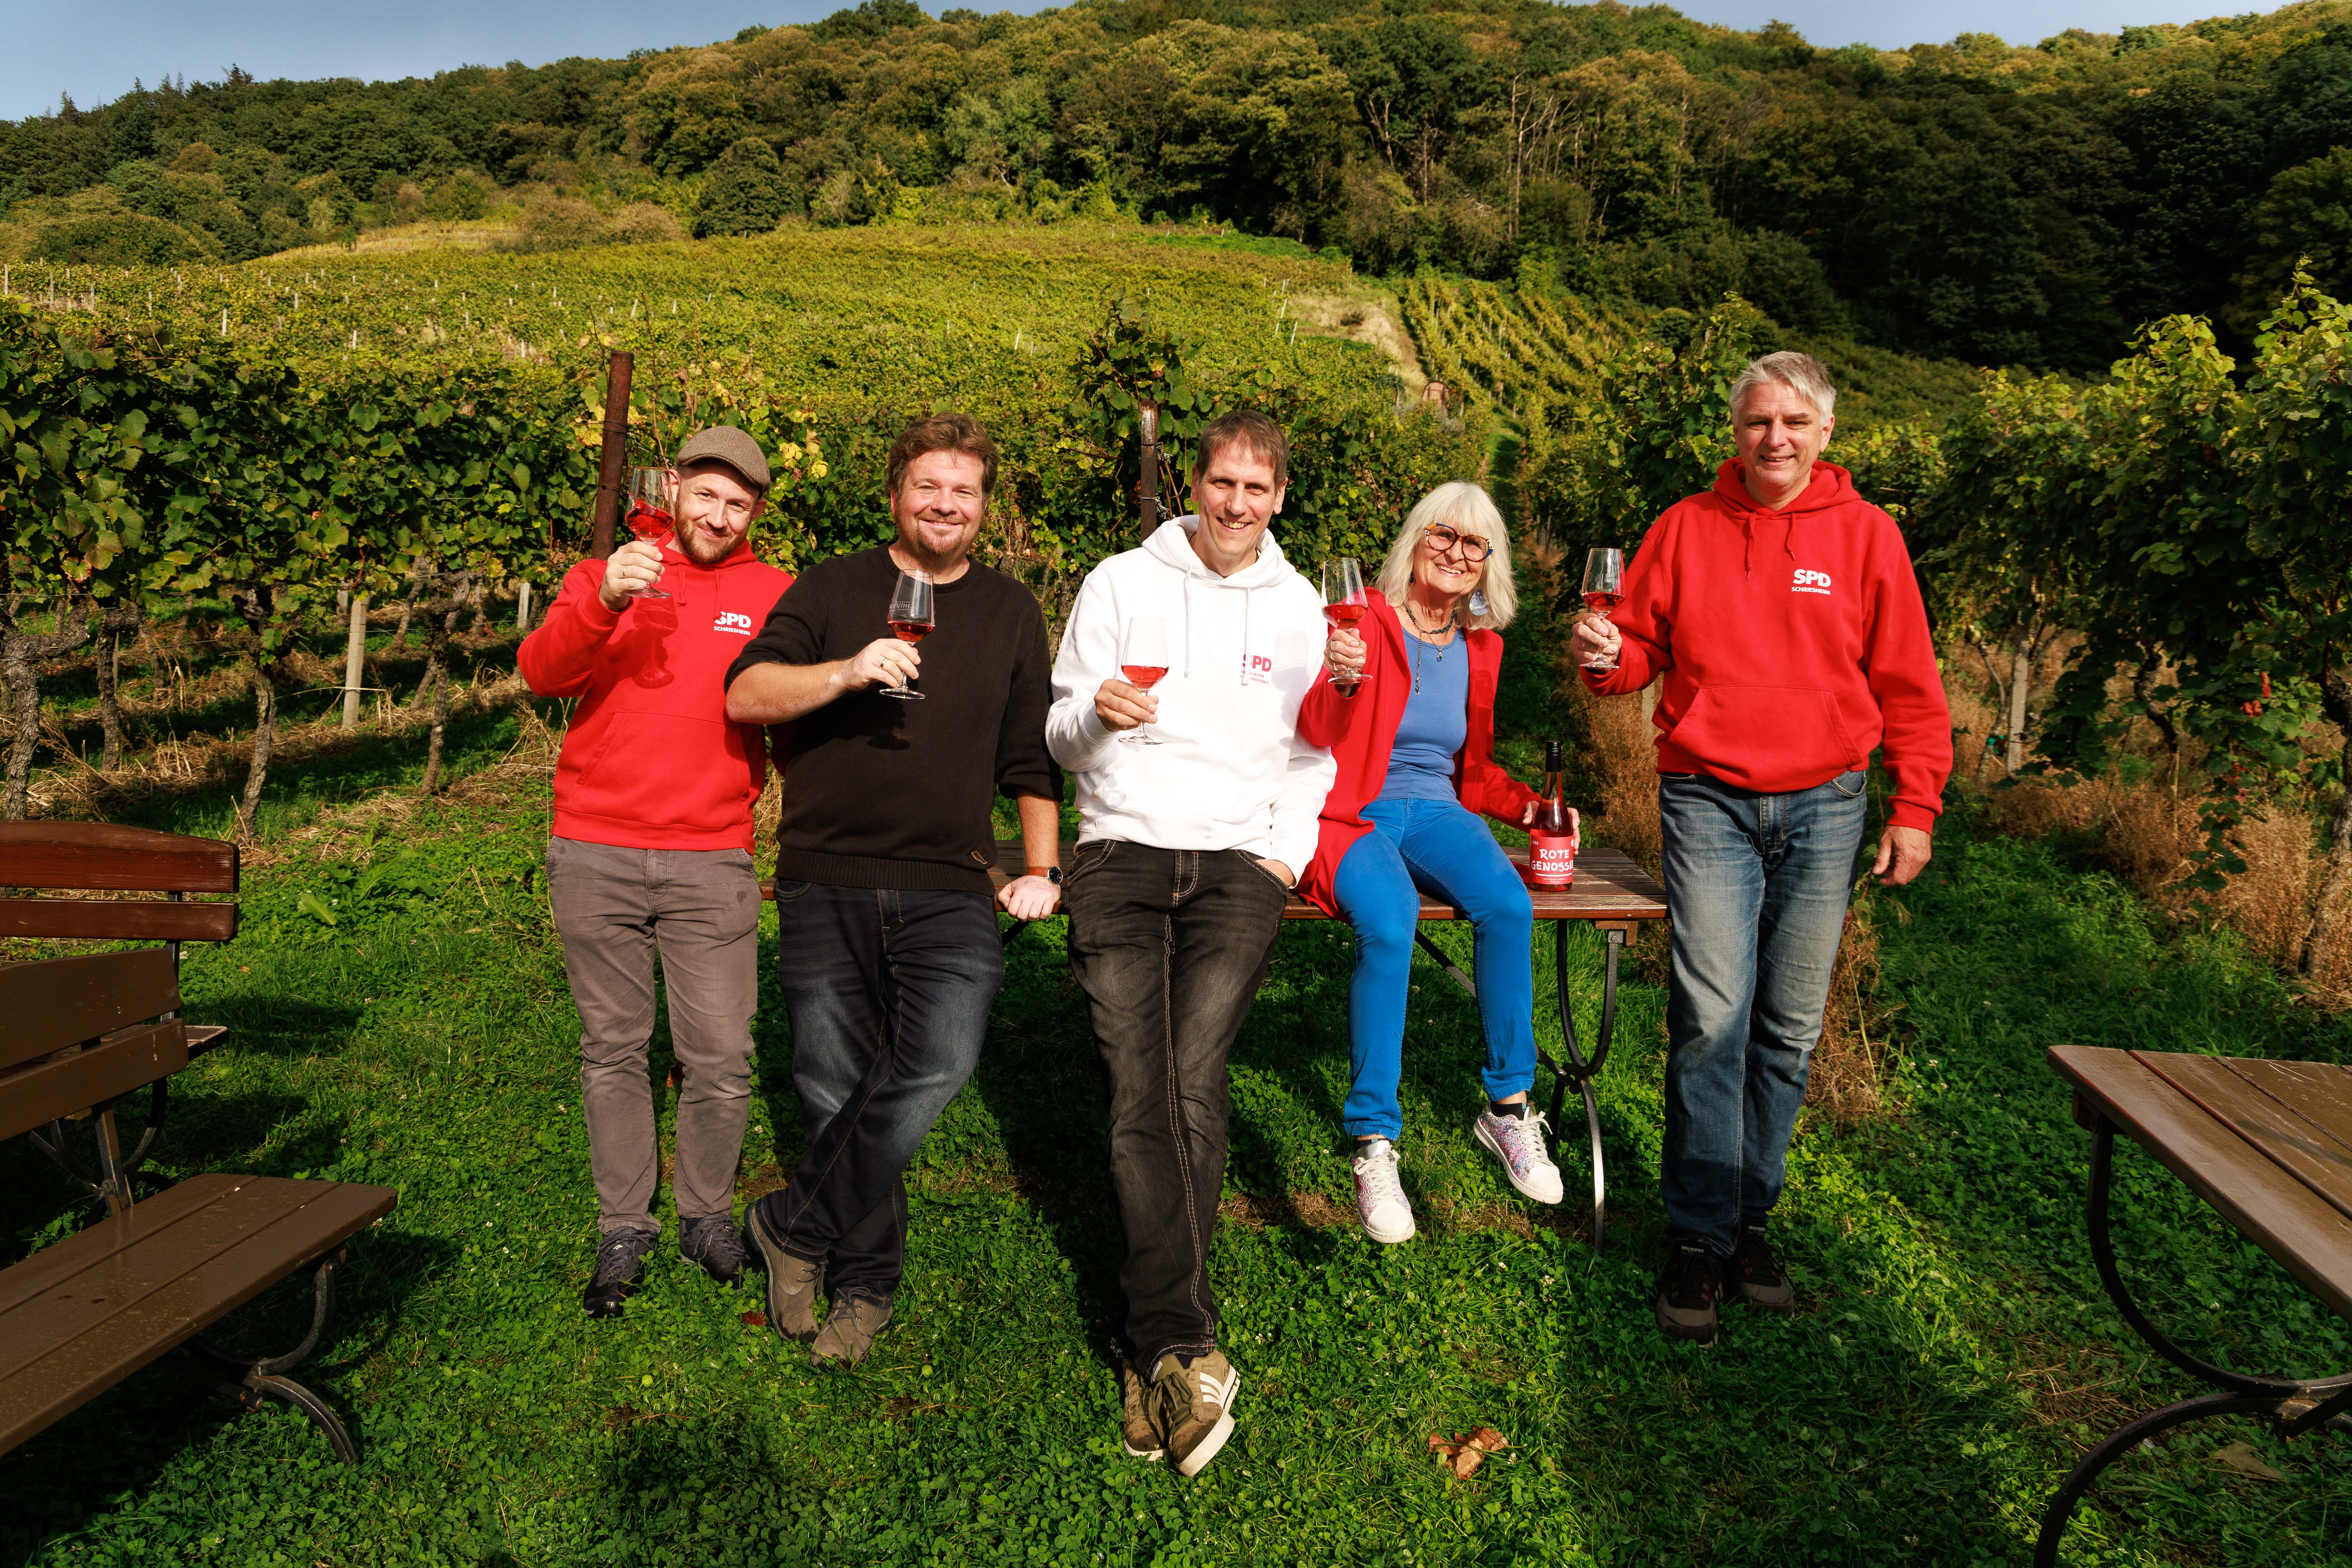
{"x": 612, "y": 457}
{"x": 1147, "y": 493}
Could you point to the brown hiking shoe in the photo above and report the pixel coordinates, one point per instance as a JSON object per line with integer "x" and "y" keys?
{"x": 1756, "y": 1276}
{"x": 792, "y": 1283}
{"x": 1135, "y": 1425}
{"x": 850, "y": 1330}
{"x": 1193, "y": 1406}
{"x": 1689, "y": 1291}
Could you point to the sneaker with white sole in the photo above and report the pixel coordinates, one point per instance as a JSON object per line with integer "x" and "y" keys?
{"x": 1381, "y": 1202}
{"x": 1140, "y": 1438}
{"x": 1192, "y": 1407}
{"x": 1520, "y": 1142}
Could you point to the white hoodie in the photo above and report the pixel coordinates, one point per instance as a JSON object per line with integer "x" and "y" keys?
{"x": 1230, "y": 772}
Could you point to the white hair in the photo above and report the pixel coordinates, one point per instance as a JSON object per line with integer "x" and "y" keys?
{"x": 1800, "y": 374}
{"x": 1467, "y": 509}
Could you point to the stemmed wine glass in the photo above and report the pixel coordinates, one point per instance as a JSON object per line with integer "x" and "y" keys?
{"x": 911, "y": 621}
{"x": 1604, "y": 590}
{"x": 1343, "y": 602}
{"x": 1142, "y": 660}
{"x": 649, "y": 518}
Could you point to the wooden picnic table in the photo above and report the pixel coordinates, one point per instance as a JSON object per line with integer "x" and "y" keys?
{"x": 1612, "y": 894}
{"x": 2269, "y": 1145}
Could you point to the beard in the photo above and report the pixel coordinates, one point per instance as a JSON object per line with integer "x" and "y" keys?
{"x": 700, "y": 548}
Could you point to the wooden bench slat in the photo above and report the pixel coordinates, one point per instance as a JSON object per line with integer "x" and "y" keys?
{"x": 38, "y": 1093}
{"x": 2289, "y": 1142}
{"x": 1610, "y": 889}
{"x": 92, "y": 1327}
{"x": 108, "y": 855}
{"x": 2319, "y": 1092}
{"x": 2286, "y": 1219}
{"x": 114, "y": 1280}
{"x": 20, "y": 1282}
{"x": 117, "y": 920}
{"x": 52, "y": 1003}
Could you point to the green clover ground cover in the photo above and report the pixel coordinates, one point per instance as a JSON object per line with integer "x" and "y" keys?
{"x": 1954, "y": 1353}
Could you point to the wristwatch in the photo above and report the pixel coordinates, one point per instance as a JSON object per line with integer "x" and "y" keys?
{"x": 1050, "y": 873}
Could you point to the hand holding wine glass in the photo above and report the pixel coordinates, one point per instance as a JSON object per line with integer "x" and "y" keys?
{"x": 911, "y": 621}
{"x": 1343, "y": 608}
{"x": 1142, "y": 663}
{"x": 648, "y": 518}
{"x": 1604, "y": 590}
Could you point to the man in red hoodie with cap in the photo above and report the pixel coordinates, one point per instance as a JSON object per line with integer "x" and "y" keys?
{"x": 1782, "y": 611}
{"x": 652, "y": 851}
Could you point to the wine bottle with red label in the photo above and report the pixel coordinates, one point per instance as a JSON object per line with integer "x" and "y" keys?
{"x": 1551, "y": 840}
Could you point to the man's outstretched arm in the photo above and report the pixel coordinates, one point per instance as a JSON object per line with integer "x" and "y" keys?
{"x": 780, "y": 693}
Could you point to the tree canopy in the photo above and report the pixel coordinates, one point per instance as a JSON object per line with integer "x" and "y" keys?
{"x": 2005, "y": 205}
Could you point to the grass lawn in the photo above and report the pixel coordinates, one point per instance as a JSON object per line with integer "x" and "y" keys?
{"x": 1953, "y": 1352}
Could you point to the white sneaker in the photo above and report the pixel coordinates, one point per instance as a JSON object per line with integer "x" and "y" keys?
{"x": 1519, "y": 1143}
{"x": 1380, "y": 1196}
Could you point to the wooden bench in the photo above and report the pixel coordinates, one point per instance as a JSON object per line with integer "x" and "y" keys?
{"x": 2269, "y": 1145}
{"x": 83, "y": 1031}
{"x": 1612, "y": 894}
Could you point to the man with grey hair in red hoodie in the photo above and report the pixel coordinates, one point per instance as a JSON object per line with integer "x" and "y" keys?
{"x": 1781, "y": 613}
{"x": 652, "y": 852}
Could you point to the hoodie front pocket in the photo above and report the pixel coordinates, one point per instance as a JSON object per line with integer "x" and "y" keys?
{"x": 664, "y": 770}
{"x": 1765, "y": 737}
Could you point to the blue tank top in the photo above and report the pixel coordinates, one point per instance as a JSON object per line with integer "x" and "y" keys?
{"x": 1436, "y": 724}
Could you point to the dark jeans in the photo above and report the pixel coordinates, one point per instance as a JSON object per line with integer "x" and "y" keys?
{"x": 1170, "y": 946}
{"x": 888, "y": 995}
{"x": 1757, "y": 885}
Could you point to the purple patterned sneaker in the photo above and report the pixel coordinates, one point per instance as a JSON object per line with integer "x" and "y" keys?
{"x": 1519, "y": 1142}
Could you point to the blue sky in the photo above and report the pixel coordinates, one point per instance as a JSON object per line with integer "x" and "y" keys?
{"x": 93, "y": 48}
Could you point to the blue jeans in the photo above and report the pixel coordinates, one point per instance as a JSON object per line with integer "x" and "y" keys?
{"x": 888, "y": 994}
{"x": 1757, "y": 885}
{"x": 1440, "y": 847}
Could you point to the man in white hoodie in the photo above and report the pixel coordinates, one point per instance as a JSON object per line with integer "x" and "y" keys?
{"x": 1198, "y": 806}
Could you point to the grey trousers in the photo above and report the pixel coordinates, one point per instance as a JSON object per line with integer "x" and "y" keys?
{"x": 615, "y": 908}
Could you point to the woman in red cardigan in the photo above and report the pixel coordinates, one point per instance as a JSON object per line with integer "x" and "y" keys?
{"x": 1415, "y": 743}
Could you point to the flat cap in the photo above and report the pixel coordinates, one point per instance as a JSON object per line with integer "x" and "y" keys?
{"x": 725, "y": 444}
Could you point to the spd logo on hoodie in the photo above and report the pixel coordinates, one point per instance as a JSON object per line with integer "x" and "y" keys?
{"x": 730, "y": 621}
{"x": 1810, "y": 582}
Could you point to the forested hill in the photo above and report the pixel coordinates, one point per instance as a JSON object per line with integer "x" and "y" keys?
{"x": 2001, "y": 204}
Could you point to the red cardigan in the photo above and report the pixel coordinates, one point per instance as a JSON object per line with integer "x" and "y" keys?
{"x": 1361, "y": 729}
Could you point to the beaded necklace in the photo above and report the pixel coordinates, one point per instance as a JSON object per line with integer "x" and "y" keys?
{"x": 1437, "y": 650}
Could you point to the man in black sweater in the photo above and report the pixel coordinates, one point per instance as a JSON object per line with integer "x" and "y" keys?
{"x": 887, "y": 940}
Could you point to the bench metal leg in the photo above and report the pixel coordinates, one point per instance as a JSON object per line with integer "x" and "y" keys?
{"x": 110, "y": 1182}
{"x": 250, "y": 1380}
{"x": 2102, "y": 1254}
{"x": 1577, "y": 1070}
{"x": 2296, "y": 1405}
{"x": 1444, "y": 962}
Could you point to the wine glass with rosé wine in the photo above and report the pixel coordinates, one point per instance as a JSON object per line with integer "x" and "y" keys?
{"x": 1604, "y": 590}
{"x": 1142, "y": 660}
{"x": 649, "y": 516}
{"x": 911, "y": 621}
{"x": 1343, "y": 602}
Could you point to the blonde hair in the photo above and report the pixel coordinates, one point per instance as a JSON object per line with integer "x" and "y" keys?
{"x": 1468, "y": 509}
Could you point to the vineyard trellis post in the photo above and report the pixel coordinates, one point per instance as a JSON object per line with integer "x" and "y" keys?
{"x": 354, "y": 660}
{"x": 612, "y": 455}
{"x": 1148, "y": 494}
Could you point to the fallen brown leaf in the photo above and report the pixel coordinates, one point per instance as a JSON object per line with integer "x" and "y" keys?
{"x": 2242, "y": 1458}
{"x": 1465, "y": 1454}
{"x": 755, "y": 1320}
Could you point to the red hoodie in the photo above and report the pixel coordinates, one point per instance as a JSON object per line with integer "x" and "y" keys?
{"x": 1792, "y": 643}
{"x": 650, "y": 760}
{"x": 1361, "y": 731}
